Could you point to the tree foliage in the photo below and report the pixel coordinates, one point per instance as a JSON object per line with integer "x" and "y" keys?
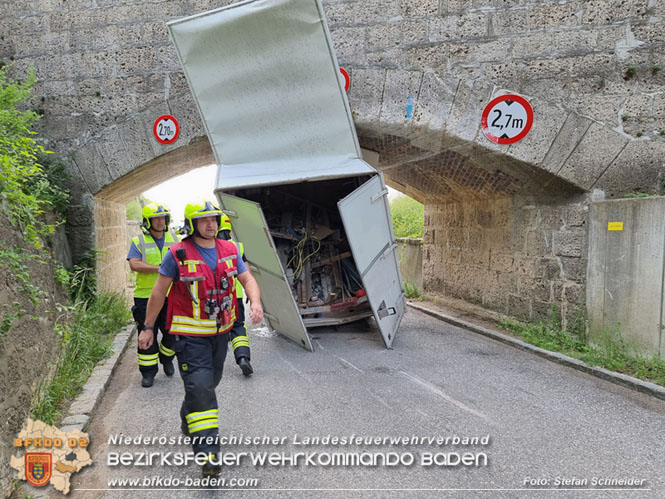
{"x": 135, "y": 206}
{"x": 25, "y": 187}
{"x": 408, "y": 217}
{"x": 133, "y": 210}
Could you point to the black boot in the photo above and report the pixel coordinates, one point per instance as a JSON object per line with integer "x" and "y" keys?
{"x": 210, "y": 469}
{"x": 184, "y": 427}
{"x": 168, "y": 368}
{"x": 245, "y": 366}
{"x": 148, "y": 380}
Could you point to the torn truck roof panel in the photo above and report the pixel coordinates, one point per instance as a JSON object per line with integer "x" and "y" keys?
{"x": 266, "y": 81}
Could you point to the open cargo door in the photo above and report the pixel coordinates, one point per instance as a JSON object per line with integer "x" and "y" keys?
{"x": 280, "y": 308}
{"x": 367, "y": 222}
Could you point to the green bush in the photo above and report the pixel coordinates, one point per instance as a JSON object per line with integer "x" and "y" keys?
{"x": 51, "y": 184}
{"x": 408, "y": 217}
{"x": 61, "y": 275}
{"x": 411, "y": 291}
{"x": 83, "y": 277}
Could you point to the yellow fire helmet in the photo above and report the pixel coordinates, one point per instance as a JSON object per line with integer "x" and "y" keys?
{"x": 226, "y": 223}
{"x": 152, "y": 210}
{"x": 199, "y": 209}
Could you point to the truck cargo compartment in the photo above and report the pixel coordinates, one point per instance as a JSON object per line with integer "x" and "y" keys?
{"x": 304, "y": 222}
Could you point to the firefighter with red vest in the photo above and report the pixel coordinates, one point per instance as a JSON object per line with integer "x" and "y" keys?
{"x": 202, "y": 308}
{"x": 146, "y": 252}
{"x": 238, "y": 334}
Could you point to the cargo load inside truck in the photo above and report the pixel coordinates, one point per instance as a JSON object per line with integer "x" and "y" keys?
{"x": 311, "y": 243}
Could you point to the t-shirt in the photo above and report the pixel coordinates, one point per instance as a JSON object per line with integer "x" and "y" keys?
{"x": 135, "y": 253}
{"x": 169, "y": 266}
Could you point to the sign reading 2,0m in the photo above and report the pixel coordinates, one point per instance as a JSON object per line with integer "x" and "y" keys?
{"x": 507, "y": 119}
{"x": 166, "y": 129}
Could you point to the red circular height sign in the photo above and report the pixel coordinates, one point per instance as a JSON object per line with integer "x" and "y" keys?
{"x": 166, "y": 129}
{"x": 347, "y": 80}
{"x": 507, "y": 119}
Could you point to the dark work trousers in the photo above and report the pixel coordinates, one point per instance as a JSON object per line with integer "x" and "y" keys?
{"x": 238, "y": 335}
{"x": 201, "y": 364}
{"x": 162, "y": 351}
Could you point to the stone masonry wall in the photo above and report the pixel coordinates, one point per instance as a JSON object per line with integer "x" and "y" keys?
{"x": 518, "y": 256}
{"x": 595, "y": 70}
{"x": 112, "y": 236}
{"x": 105, "y": 70}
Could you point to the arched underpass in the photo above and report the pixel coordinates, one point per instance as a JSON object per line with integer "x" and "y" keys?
{"x": 505, "y": 225}
{"x": 109, "y": 205}
{"x": 500, "y": 233}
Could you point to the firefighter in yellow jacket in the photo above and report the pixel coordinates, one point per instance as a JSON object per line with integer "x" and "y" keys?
{"x": 146, "y": 253}
{"x": 202, "y": 310}
{"x": 238, "y": 334}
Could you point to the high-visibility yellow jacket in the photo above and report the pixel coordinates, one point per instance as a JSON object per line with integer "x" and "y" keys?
{"x": 241, "y": 250}
{"x": 150, "y": 254}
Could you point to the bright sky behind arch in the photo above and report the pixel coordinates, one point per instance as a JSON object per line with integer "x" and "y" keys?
{"x": 176, "y": 192}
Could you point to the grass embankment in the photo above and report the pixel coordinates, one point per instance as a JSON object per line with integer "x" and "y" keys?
{"x": 610, "y": 351}
{"x": 87, "y": 339}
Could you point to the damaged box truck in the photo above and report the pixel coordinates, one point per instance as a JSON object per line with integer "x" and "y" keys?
{"x": 313, "y": 216}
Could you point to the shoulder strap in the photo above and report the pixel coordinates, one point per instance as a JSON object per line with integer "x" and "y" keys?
{"x": 142, "y": 246}
{"x": 173, "y": 249}
{"x": 220, "y": 249}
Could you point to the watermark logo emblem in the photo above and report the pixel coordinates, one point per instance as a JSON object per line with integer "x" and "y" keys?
{"x": 38, "y": 466}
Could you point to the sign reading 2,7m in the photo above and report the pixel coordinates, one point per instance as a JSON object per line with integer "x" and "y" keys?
{"x": 166, "y": 129}
{"x": 507, "y": 119}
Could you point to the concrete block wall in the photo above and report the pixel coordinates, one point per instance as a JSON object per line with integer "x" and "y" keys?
{"x": 518, "y": 256}
{"x": 625, "y": 275}
{"x": 411, "y": 261}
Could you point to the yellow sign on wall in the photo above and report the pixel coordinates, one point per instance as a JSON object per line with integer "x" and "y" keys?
{"x": 614, "y": 225}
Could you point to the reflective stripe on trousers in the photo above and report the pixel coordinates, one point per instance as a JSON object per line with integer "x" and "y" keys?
{"x": 201, "y": 365}
{"x": 162, "y": 351}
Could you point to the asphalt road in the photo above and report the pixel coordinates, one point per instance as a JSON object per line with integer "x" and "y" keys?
{"x": 545, "y": 423}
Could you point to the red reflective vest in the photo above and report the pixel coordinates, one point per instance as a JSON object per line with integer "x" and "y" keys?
{"x": 188, "y": 318}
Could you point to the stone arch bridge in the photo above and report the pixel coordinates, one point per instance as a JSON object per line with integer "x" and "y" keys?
{"x": 505, "y": 226}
